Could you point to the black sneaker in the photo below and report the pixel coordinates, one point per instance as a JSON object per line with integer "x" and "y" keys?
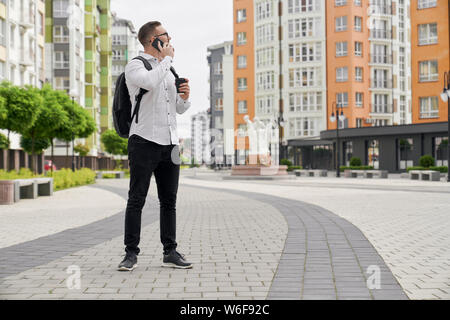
{"x": 128, "y": 263}
{"x": 175, "y": 259}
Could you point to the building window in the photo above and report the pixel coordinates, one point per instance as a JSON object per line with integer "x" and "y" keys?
{"x": 263, "y": 10}
{"x": 264, "y": 34}
{"x": 217, "y": 69}
{"x": 118, "y": 55}
{"x": 242, "y": 62}
{"x": 218, "y": 86}
{"x": 265, "y": 80}
{"x": 241, "y": 38}
{"x": 2, "y": 70}
{"x": 342, "y": 74}
{"x": 341, "y": 23}
{"x": 61, "y": 60}
{"x": 241, "y": 15}
{"x": 303, "y": 127}
{"x": 242, "y": 107}
{"x": 219, "y": 104}
{"x": 358, "y": 24}
{"x": 358, "y": 49}
{"x": 2, "y": 32}
{"x": 359, "y": 99}
{"x": 340, "y": 3}
{"x": 119, "y": 40}
{"x": 60, "y": 34}
{"x": 305, "y": 102}
{"x": 265, "y": 57}
{"x": 242, "y": 84}
{"x": 358, "y": 74}
{"x": 342, "y": 99}
{"x": 441, "y": 150}
{"x": 429, "y": 107}
{"x": 265, "y": 105}
{"x": 12, "y": 36}
{"x": 305, "y": 77}
{"x": 428, "y": 71}
{"x": 60, "y": 8}
{"x": 304, "y": 28}
{"x": 341, "y": 49}
{"x": 357, "y": 3}
{"x": 428, "y": 34}
{"x": 41, "y": 24}
{"x": 62, "y": 83}
{"x": 296, "y": 6}
{"x": 359, "y": 122}
{"x": 305, "y": 52}
{"x": 423, "y": 4}
{"x": 348, "y": 152}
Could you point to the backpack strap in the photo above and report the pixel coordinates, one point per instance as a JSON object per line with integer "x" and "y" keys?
{"x": 141, "y": 93}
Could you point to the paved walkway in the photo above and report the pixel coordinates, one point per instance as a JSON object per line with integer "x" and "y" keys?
{"x": 244, "y": 245}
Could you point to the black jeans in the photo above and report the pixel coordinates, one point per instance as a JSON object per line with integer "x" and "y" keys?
{"x": 145, "y": 158}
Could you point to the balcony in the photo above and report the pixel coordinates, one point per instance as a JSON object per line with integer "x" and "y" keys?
{"x": 381, "y": 83}
{"x": 381, "y": 109}
{"x": 381, "y": 58}
{"x": 380, "y": 34}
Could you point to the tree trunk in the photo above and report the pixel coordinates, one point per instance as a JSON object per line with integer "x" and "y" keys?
{"x": 7, "y": 168}
{"x": 67, "y": 155}
{"x": 52, "y": 156}
{"x": 33, "y": 160}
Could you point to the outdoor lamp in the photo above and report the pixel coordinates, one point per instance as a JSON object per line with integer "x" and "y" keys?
{"x": 445, "y": 95}
{"x": 332, "y": 117}
{"x": 342, "y": 116}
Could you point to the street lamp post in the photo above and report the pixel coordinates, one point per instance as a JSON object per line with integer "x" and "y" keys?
{"x": 337, "y": 118}
{"x": 445, "y": 97}
{"x": 73, "y": 154}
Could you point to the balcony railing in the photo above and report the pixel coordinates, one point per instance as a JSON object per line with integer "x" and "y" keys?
{"x": 381, "y": 83}
{"x": 381, "y": 58}
{"x": 380, "y": 108}
{"x": 380, "y": 34}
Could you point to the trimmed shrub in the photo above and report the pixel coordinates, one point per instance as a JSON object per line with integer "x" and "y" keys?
{"x": 285, "y": 162}
{"x": 426, "y": 161}
{"x": 24, "y": 173}
{"x": 355, "y": 162}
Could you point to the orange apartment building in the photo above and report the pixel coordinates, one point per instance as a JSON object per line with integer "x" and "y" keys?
{"x": 243, "y": 70}
{"x": 430, "y": 59}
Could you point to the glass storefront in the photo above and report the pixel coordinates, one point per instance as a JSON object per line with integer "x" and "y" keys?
{"x": 373, "y": 152}
{"x": 440, "y": 150}
{"x": 404, "y": 149}
{"x": 348, "y": 152}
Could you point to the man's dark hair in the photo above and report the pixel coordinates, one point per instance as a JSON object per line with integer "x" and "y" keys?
{"x": 146, "y": 31}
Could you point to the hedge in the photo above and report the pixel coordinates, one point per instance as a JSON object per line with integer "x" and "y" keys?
{"x": 291, "y": 168}
{"x": 442, "y": 169}
{"x": 66, "y": 178}
{"x": 342, "y": 168}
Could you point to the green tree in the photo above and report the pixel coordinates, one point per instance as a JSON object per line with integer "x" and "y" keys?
{"x": 22, "y": 108}
{"x": 114, "y": 144}
{"x": 82, "y": 150}
{"x": 4, "y": 142}
{"x": 426, "y": 161}
{"x": 35, "y": 147}
{"x": 50, "y": 118}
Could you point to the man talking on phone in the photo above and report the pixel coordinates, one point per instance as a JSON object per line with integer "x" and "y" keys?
{"x": 153, "y": 143}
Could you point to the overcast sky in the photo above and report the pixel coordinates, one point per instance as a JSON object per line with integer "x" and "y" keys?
{"x": 193, "y": 25}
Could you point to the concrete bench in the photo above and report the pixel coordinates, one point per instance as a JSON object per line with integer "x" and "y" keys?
{"x": 311, "y": 172}
{"x": 118, "y": 174}
{"x": 13, "y": 190}
{"x": 382, "y": 174}
{"x": 427, "y": 175}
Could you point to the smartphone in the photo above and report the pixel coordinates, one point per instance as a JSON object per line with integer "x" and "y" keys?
{"x": 155, "y": 44}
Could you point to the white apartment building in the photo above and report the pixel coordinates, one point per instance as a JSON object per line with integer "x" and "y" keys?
{"x": 200, "y": 138}
{"x": 302, "y": 67}
{"x": 390, "y": 62}
{"x": 22, "y": 46}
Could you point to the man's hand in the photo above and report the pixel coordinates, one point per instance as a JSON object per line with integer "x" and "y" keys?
{"x": 185, "y": 90}
{"x": 166, "y": 50}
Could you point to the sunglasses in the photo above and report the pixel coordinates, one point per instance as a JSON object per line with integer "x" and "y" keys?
{"x": 163, "y": 34}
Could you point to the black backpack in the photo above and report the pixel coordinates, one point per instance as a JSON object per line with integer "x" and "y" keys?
{"x": 122, "y": 104}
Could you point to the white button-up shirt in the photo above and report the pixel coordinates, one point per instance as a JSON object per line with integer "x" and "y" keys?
{"x": 157, "y": 114}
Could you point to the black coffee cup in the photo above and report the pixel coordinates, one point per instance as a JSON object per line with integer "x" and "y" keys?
{"x": 178, "y": 83}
